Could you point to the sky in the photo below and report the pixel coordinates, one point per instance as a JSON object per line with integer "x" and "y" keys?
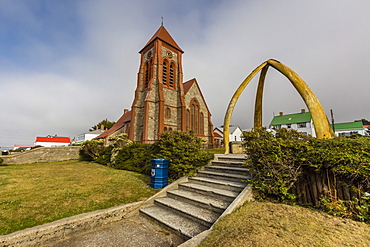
{"x": 67, "y": 65}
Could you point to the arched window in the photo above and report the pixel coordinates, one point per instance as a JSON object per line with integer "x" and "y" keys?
{"x": 201, "y": 125}
{"x": 170, "y": 129}
{"x": 192, "y": 109}
{"x": 146, "y": 76}
{"x": 196, "y": 128}
{"x": 164, "y": 74}
{"x": 187, "y": 120}
{"x": 150, "y": 69}
{"x": 172, "y": 75}
{"x": 165, "y": 129}
{"x": 196, "y": 119}
{"x": 168, "y": 112}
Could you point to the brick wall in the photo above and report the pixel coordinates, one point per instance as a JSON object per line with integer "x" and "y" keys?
{"x": 42, "y": 154}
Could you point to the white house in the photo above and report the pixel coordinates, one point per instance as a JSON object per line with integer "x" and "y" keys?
{"x": 52, "y": 141}
{"x": 302, "y": 122}
{"x": 235, "y": 132}
{"x": 350, "y": 128}
{"x": 89, "y": 135}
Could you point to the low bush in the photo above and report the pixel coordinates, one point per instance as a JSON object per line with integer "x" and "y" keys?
{"x": 133, "y": 157}
{"x": 183, "y": 151}
{"x": 276, "y": 161}
{"x": 1, "y": 160}
{"x": 104, "y": 155}
{"x": 90, "y": 149}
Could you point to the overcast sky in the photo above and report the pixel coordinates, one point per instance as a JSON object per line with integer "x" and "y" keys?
{"x": 65, "y": 65}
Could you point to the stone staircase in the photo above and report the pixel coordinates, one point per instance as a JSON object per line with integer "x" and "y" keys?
{"x": 197, "y": 203}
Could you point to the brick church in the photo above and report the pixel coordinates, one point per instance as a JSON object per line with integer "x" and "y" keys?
{"x": 163, "y": 102}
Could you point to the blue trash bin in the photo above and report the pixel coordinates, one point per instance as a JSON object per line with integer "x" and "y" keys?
{"x": 159, "y": 173}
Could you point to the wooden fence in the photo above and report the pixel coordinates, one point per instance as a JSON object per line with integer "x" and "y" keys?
{"x": 314, "y": 184}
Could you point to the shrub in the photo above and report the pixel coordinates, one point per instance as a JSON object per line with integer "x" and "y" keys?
{"x": 133, "y": 157}
{"x": 89, "y": 149}
{"x": 183, "y": 151}
{"x": 1, "y": 160}
{"x": 345, "y": 156}
{"x": 104, "y": 155}
{"x": 275, "y": 161}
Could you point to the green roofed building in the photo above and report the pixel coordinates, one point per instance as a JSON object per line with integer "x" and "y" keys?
{"x": 302, "y": 122}
{"x": 350, "y": 128}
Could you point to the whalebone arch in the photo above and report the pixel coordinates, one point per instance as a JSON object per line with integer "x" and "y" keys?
{"x": 321, "y": 123}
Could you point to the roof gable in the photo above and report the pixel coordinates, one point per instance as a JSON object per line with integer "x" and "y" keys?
{"x": 188, "y": 84}
{"x": 292, "y": 118}
{"x": 232, "y": 129}
{"x": 163, "y": 35}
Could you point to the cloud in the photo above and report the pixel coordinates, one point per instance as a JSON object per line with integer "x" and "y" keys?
{"x": 66, "y": 66}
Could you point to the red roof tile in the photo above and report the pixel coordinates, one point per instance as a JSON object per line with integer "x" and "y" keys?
{"x": 163, "y": 35}
{"x": 187, "y": 85}
{"x": 217, "y": 135}
{"x": 126, "y": 117}
{"x": 53, "y": 139}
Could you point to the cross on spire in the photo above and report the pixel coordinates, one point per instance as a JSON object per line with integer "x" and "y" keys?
{"x": 162, "y": 21}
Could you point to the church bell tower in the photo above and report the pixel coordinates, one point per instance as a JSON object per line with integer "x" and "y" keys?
{"x": 158, "y": 105}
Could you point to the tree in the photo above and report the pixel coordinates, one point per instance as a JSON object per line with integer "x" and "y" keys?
{"x": 107, "y": 125}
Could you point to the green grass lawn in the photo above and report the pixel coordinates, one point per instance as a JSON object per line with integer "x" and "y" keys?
{"x": 215, "y": 150}
{"x": 33, "y": 194}
{"x": 270, "y": 224}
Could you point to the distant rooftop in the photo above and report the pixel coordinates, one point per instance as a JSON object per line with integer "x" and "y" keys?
{"x": 348, "y": 126}
{"x": 301, "y": 117}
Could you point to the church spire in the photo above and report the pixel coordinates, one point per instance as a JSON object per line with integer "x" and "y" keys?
{"x": 163, "y": 35}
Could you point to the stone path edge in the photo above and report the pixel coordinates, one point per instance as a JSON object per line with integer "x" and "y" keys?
{"x": 63, "y": 228}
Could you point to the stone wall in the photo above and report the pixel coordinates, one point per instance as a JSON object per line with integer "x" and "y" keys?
{"x": 43, "y": 154}
{"x": 64, "y": 228}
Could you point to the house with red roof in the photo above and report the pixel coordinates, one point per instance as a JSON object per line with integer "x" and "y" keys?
{"x": 163, "y": 102}
{"x": 52, "y": 141}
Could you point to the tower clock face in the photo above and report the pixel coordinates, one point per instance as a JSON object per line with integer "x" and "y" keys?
{"x": 169, "y": 54}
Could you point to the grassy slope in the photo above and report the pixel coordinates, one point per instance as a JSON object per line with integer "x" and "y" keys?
{"x": 269, "y": 224}
{"x": 32, "y": 194}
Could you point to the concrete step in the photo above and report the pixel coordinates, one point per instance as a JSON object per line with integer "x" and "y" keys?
{"x": 174, "y": 222}
{"x": 224, "y": 176}
{"x": 204, "y": 201}
{"x": 227, "y": 163}
{"x": 198, "y": 203}
{"x": 227, "y": 169}
{"x": 222, "y": 194}
{"x": 219, "y": 184}
{"x": 232, "y": 158}
{"x": 201, "y": 215}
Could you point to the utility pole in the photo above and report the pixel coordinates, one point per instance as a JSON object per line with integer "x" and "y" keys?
{"x": 332, "y": 119}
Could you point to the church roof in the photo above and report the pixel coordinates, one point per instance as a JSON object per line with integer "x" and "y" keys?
{"x": 163, "y": 35}
{"x": 126, "y": 117}
{"x": 188, "y": 84}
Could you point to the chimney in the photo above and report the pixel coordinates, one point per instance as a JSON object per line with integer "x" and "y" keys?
{"x": 281, "y": 113}
{"x": 303, "y": 110}
{"x": 125, "y": 110}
